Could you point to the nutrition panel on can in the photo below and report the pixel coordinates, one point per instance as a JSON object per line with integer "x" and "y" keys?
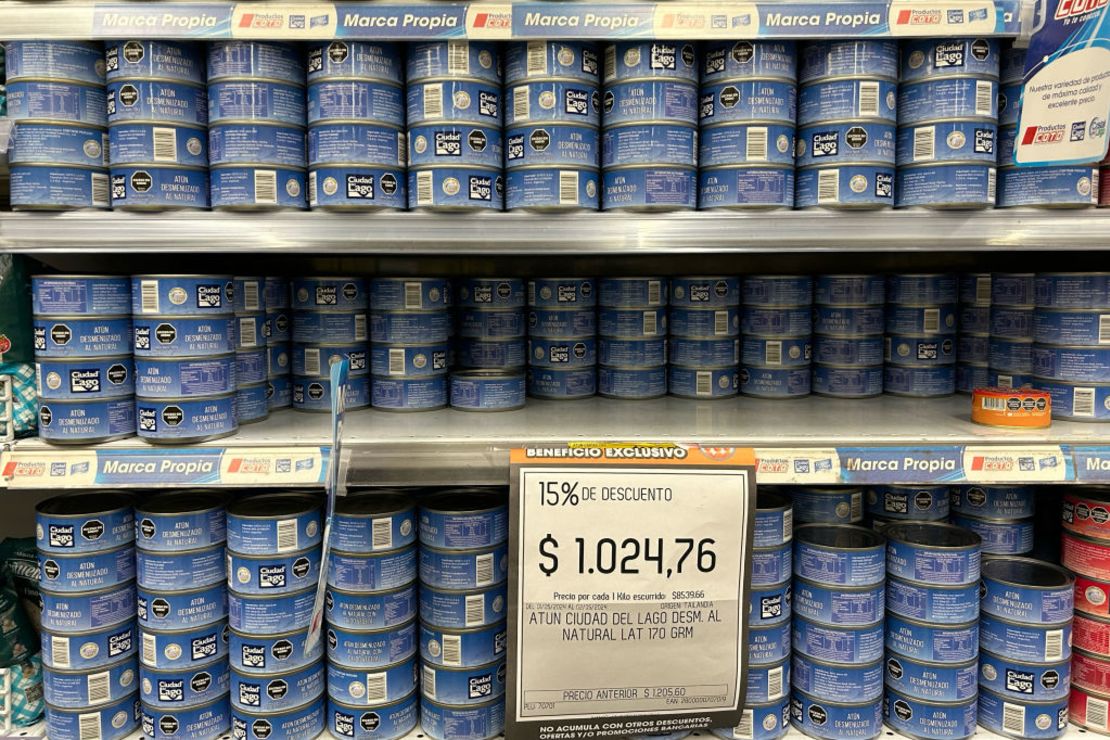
{"x": 848, "y": 58}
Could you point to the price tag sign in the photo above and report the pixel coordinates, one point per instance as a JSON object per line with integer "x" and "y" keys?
{"x": 629, "y": 603}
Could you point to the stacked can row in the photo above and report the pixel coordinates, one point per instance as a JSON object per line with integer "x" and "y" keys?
{"x": 562, "y": 329}
{"x": 704, "y": 342}
{"x": 329, "y": 324}
{"x": 491, "y": 347}
{"x": 1010, "y": 349}
{"x": 848, "y": 324}
{"x": 254, "y": 331}
{"x": 973, "y": 340}
{"x": 278, "y": 332}
{"x": 632, "y": 336}
{"x": 410, "y": 332}
{"x": 920, "y": 351}
{"x": 777, "y": 327}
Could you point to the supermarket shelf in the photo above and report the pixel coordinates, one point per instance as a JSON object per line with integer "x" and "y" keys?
{"x": 555, "y": 234}
{"x": 807, "y": 440}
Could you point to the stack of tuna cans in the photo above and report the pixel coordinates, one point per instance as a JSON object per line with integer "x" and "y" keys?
{"x": 948, "y": 123}
{"x": 746, "y": 142}
{"x": 184, "y": 357}
{"x": 59, "y": 156}
{"x": 702, "y": 365}
{"x": 973, "y": 342}
{"x": 551, "y": 134}
{"x": 1103, "y": 179}
{"x": 157, "y": 124}
{"x": 279, "y": 321}
{"x": 1004, "y": 530}
{"x": 1024, "y": 637}
{"x": 356, "y": 121}
{"x": 892, "y": 503}
{"x": 273, "y": 566}
{"x": 464, "y": 565}
{"x": 454, "y": 126}
{"x": 561, "y": 310}
{"x": 491, "y": 345}
{"x": 252, "y": 330}
{"x": 839, "y": 572}
{"x": 848, "y": 324}
{"x": 920, "y": 352}
{"x": 632, "y": 324}
{"x": 845, "y": 151}
{"x": 183, "y": 610}
{"x": 932, "y": 629}
{"x": 257, "y": 89}
{"x": 1010, "y": 354}
{"x": 86, "y": 550}
{"x": 410, "y": 331}
{"x": 1071, "y": 353}
{"x": 649, "y": 160}
{"x": 777, "y": 325}
{"x": 832, "y": 505}
{"x": 84, "y": 371}
{"x": 371, "y": 611}
{"x": 329, "y": 323}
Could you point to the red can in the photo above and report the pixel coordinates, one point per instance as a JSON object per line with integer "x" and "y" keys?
{"x": 1088, "y": 711}
{"x": 1092, "y": 597}
{"x": 1085, "y": 556}
{"x": 1090, "y": 672}
{"x": 1091, "y": 635}
{"x": 1086, "y": 511}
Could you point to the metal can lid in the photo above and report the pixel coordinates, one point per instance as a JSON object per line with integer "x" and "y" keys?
{"x": 388, "y": 501}
{"x": 272, "y": 505}
{"x": 1026, "y": 572}
{"x": 181, "y": 502}
{"x": 839, "y": 536}
{"x": 85, "y": 504}
{"x": 936, "y": 535}
{"x": 464, "y": 501}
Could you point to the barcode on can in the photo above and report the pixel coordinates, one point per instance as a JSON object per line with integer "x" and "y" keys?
{"x": 650, "y": 323}
{"x": 931, "y": 320}
{"x": 381, "y": 534}
{"x": 521, "y": 106}
{"x": 287, "y": 534}
{"x": 756, "y": 144}
{"x": 165, "y": 144}
{"x": 312, "y": 189}
{"x": 428, "y": 682}
{"x": 433, "y": 100}
{"x": 655, "y": 293}
{"x": 396, "y": 361}
{"x": 452, "y": 650}
{"x": 720, "y": 322}
{"x": 1013, "y": 717}
{"x": 251, "y": 296}
{"x": 1104, "y": 328}
{"x": 424, "y": 189}
{"x": 246, "y": 332}
{"x": 703, "y": 383}
{"x": 568, "y": 188}
{"x": 59, "y": 651}
{"x": 1083, "y": 402}
{"x": 828, "y": 186}
{"x": 376, "y": 688}
{"x": 150, "y": 649}
{"x": 857, "y": 506}
{"x": 537, "y": 58}
{"x": 869, "y": 98}
{"x": 774, "y": 683}
{"x": 360, "y": 327}
{"x": 744, "y": 729}
{"x": 88, "y": 726}
{"x": 1053, "y": 645}
{"x": 458, "y": 57}
{"x": 265, "y": 186}
{"x": 994, "y": 404}
{"x": 610, "y": 62}
{"x": 1096, "y": 713}
{"x": 984, "y": 97}
{"x": 483, "y": 569}
{"x": 772, "y": 353}
{"x": 475, "y": 610}
{"x": 100, "y": 197}
{"x": 924, "y": 144}
{"x": 99, "y": 687}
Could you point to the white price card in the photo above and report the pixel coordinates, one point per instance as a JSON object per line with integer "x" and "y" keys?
{"x": 629, "y": 605}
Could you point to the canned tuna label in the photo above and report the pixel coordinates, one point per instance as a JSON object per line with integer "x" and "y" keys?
{"x": 397, "y": 327}
{"x": 689, "y": 382}
{"x": 823, "y": 719}
{"x": 450, "y": 145}
{"x": 545, "y": 382}
{"x": 999, "y": 537}
{"x": 545, "y": 188}
{"x": 837, "y": 682}
{"x": 279, "y": 323}
{"x": 965, "y": 141}
{"x": 746, "y": 143}
{"x": 932, "y": 604}
{"x": 562, "y": 352}
{"x": 160, "y": 609}
{"x": 721, "y": 352}
{"x": 187, "y": 687}
{"x": 949, "y": 185}
{"x": 769, "y": 644}
{"x": 920, "y": 351}
{"x": 57, "y": 101}
{"x": 838, "y": 605}
{"x": 1087, "y": 710}
{"x": 1015, "y": 356}
{"x": 329, "y": 327}
{"x": 62, "y": 295}
{"x": 244, "y": 100}
{"x": 1076, "y": 328}
{"x": 1090, "y": 672}
{"x": 86, "y": 571}
{"x": 823, "y": 59}
{"x": 1092, "y": 635}
{"x": 340, "y": 143}
{"x": 631, "y": 382}
{"x": 927, "y": 719}
{"x": 189, "y": 295}
{"x": 929, "y": 503}
{"x": 768, "y": 722}
{"x": 184, "y": 419}
{"x": 302, "y": 723}
{"x": 83, "y": 523}
{"x": 1011, "y": 323}
{"x": 74, "y": 379}
{"x": 490, "y": 323}
{"x": 371, "y": 649}
{"x": 273, "y": 574}
{"x": 271, "y": 613}
{"x": 453, "y": 100}
{"x": 1029, "y": 720}
{"x": 315, "y": 361}
{"x": 395, "y": 720}
{"x": 173, "y": 378}
{"x": 493, "y": 354}
{"x": 1027, "y": 643}
{"x": 835, "y": 290}
{"x": 191, "y": 722}
{"x": 487, "y": 390}
{"x": 624, "y": 293}
{"x": 771, "y": 565}
{"x": 372, "y": 523}
{"x": 251, "y": 367}
{"x": 744, "y": 101}
{"x": 84, "y": 651}
{"x": 770, "y": 605}
{"x": 79, "y": 61}
{"x": 743, "y": 59}
{"x": 973, "y": 348}
{"x": 373, "y": 686}
{"x": 279, "y": 392}
{"x": 746, "y": 187}
{"x": 253, "y": 143}
{"x": 847, "y": 382}
{"x": 643, "y": 144}
{"x": 282, "y": 523}
{"x": 314, "y": 394}
{"x": 383, "y": 571}
{"x": 277, "y": 693}
{"x": 553, "y": 101}
{"x": 901, "y": 319}
{"x": 921, "y": 382}
{"x": 635, "y": 352}
{"x": 632, "y": 323}
{"x": 848, "y": 321}
{"x": 933, "y": 553}
{"x": 705, "y": 323}
{"x": 974, "y": 319}
{"x": 184, "y": 648}
{"x": 851, "y": 556}
{"x": 252, "y": 187}
{"x": 1087, "y": 514}
{"x": 408, "y": 394}
{"x": 650, "y": 100}
{"x": 848, "y": 351}
{"x": 650, "y": 187}
{"x": 855, "y": 186}
{"x": 463, "y": 609}
{"x": 767, "y": 683}
{"x": 1075, "y": 364}
{"x": 476, "y": 59}
{"x": 111, "y": 722}
{"x": 498, "y": 293}
{"x": 58, "y": 188}
{"x": 482, "y": 720}
{"x": 554, "y": 59}
{"x": 251, "y": 403}
{"x": 1077, "y": 401}
{"x": 932, "y": 58}
{"x": 1092, "y": 597}
{"x": 1009, "y": 107}
{"x": 166, "y": 60}
{"x": 369, "y": 611}
{"x": 157, "y": 100}
{"x": 360, "y": 187}
{"x": 180, "y": 570}
{"x": 456, "y": 188}
{"x": 87, "y": 421}
{"x": 777, "y": 290}
{"x": 932, "y": 682}
{"x": 268, "y": 60}
{"x": 946, "y": 643}
{"x": 370, "y": 60}
{"x": 838, "y": 644}
{"x": 82, "y": 146}
{"x": 633, "y": 59}
{"x": 143, "y": 143}
{"x": 145, "y": 187}
{"x": 847, "y": 99}
{"x": 461, "y": 687}
{"x": 1072, "y": 290}
{"x": 776, "y": 322}
{"x": 1027, "y": 681}
{"x": 845, "y": 142}
{"x": 269, "y": 654}
{"x": 562, "y": 293}
{"x": 957, "y": 97}
{"x": 827, "y": 505}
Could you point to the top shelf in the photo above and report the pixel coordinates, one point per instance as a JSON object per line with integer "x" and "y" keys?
{"x": 784, "y": 19}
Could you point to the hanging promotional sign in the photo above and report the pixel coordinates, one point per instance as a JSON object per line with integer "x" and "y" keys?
{"x": 629, "y": 601}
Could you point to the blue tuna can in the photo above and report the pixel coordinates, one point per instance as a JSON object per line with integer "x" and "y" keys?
{"x": 927, "y": 602}
{"x": 769, "y": 605}
{"x": 317, "y": 360}
{"x": 182, "y": 295}
{"x": 840, "y": 290}
{"x": 556, "y": 322}
{"x": 767, "y": 682}
{"x": 932, "y": 58}
{"x": 273, "y": 574}
{"x": 746, "y": 187}
{"x": 1024, "y": 681}
{"x": 714, "y": 352}
{"x": 251, "y": 403}
{"x": 851, "y": 351}
{"x": 552, "y": 144}
{"x": 848, "y": 186}
{"x": 159, "y": 60}
{"x": 632, "y": 323}
{"x": 944, "y": 643}
{"x": 74, "y": 379}
{"x": 745, "y": 101}
{"x": 975, "y": 348}
{"x": 476, "y": 59}
{"x": 839, "y": 644}
{"x": 242, "y": 187}
{"x": 1075, "y": 328}
{"x": 384, "y": 723}
{"x": 188, "y": 687}
{"x": 777, "y": 291}
{"x": 463, "y": 686}
{"x": 919, "y": 382}
{"x": 1075, "y": 401}
{"x": 84, "y": 523}
{"x": 767, "y": 722}
{"x": 278, "y": 692}
{"x": 163, "y": 377}
{"x": 1010, "y": 355}
{"x": 1012, "y": 64}
{"x": 838, "y": 605}
{"x": 649, "y": 144}
{"x": 340, "y": 143}
{"x": 330, "y": 327}
{"x": 172, "y": 610}
{"x": 495, "y": 354}
{"x": 929, "y": 720}
{"x": 821, "y": 59}
{"x": 409, "y": 294}
{"x": 647, "y": 59}
{"x": 269, "y": 654}
{"x": 927, "y": 351}
{"x": 280, "y": 327}
{"x": 844, "y": 555}
{"x": 86, "y": 422}
{"x": 769, "y": 644}
{"x": 409, "y": 327}
{"x": 179, "y": 570}
{"x": 546, "y": 382}
{"x": 361, "y": 572}
{"x": 833, "y": 720}
{"x": 688, "y": 382}
{"x": 302, "y": 723}
{"x": 498, "y": 293}
{"x": 927, "y": 503}
{"x": 79, "y": 61}
{"x": 774, "y": 520}
{"x": 1005, "y": 379}
{"x": 947, "y": 141}
{"x": 56, "y": 188}
{"x": 452, "y": 145}
{"x": 371, "y": 649}
{"x": 933, "y": 682}
{"x": 572, "y": 60}
{"x": 975, "y": 290}
{"x": 453, "y": 100}
{"x": 1004, "y": 502}
{"x": 465, "y": 519}
{"x": 1050, "y": 187}
{"x": 477, "y": 721}
{"x": 848, "y": 99}
{"x": 974, "y": 319}
{"x": 113, "y": 721}
{"x": 372, "y": 522}
{"x": 329, "y": 293}
{"x": 144, "y": 187}
{"x": 700, "y": 323}
{"x": 57, "y": 101}
{"x": 481, "y": 323}
{"x": 766, "y": 382}
{"x": 544, "y": 188}
{"x": 704, "y": 292}
{"x": 850, "y": 142}
{"x": 562, "y": 293}
{"x": 1072, "y": 290}
{"x": 849, "y": 321}
{"x": 649, "y": 188}
{"x": 650, "y": 100}
{"x": 376, "y": 60}
{"x": 67, "y": 613}
{"x": 1073, "y": 364}
{"x": 256, "y": 143}
{"x": 847, "y": 382}
{"x": 186, "y": 648}
{"x": 252, "y": 367}
{"x": 554, "y": 100}
{"x": 639, "y": 353}
{"x": 463, "y": 609}
{"x": 772, "y": 565}
{"x": 457, "y": 189}
{"x": 90, "y": 571}
{"x": 933, "y": 553}
{"x": 955, "y": 97}
{"x": 1009, "y": 105}
{"x": 971, "y": 376}
{"x": 351, "y": 610}
{"x": 838, "y": 681}
{"x": 87, "y": 650}
{"x": 962, "y": 185}
{"x": 158, "y": 100}
{"x": 265, "y": 60}
{"x": 273, "y": 523}
{"x": 414, "y": 394}
{"x": 80, "y": 146}
{"x": 544, "y": 352}
{"x": 1026, "y": 719}
{"x": 185, "y": 420}
{"x": 633, "y": 292}
{"x": 77, "y": 689}
{"x": 487, "y": 390}
{"x": 272, "y": 613}
{"x": 744, "y": 59}
{"x": 631, "y": 383}
{"x": 279, "y": 392}
{"x": 1000, "y": 537}
{"x": 827, "y": 505}
{"x": 143, "y": 143}
{"x": 192, "y": 723}
{"x": 314, "y": 394}
{"x": 369, "y": 687}
{"x": 76, "y": 295}
{"x": 930, "y": 319}
{"x": 240, "y": 101}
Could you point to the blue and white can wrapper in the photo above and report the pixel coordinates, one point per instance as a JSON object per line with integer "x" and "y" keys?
{"x": 1005, "y": 379}
{"x": 746, "y": 143}
{"x": 770, "y": 605}
{"x": 74, "y": 690}
{"x": 57, "y": 101}
{"x": 280, "y": 327}
{"x": 1077, "y": 401}
{"x": 314, "y": 393}
{"x": 704, "y": 352}
{"x": 847, "y": 186}
{"x": 842, "y": 555}
{"x": 462, "y": 648}
{"x": 933, "y": 682}
{"x": 1072, "y": 290}
{"x": 280, "y": 692}
{"x": 649, "y": 188}
{"x": 972, "y": 375}
{"x": 252, "y": 367}
{"x": 243, "y": 187}
{"x": 317, "y": 360}
{"x": 933, "y": 58}
{"x": 457, "y": 188}
{"x": 1007, "y": 144}
{"x": 487, "y": 390}
{"x": 838, "y": 605}
{"x": 372, "y": 686}
{"x": 269, "y": 654}
{"x": 1004, "y": 502}
{"x": 839, "y": 290}
{"x": 409, "y": 327}
{"x": 769, "y": 644}
{"x": 74, "y": 379}
{"x": 238, "y": 101}
{"x": 279, "y": 392}
{"x": 89, "y": 650}
{"x": 632, "y": 323}
{"x": 273, "y": 523}
{"x": 451, "y": 145}
{"x": 84, "y": 523}
{"x": 955, "y": 97}
{"x": 962, "y": 185}
{"x": 251, "y": 403}
{"x": 857, "y": 99}
{"x": 1024, "y": 681}
{"x": 182, "y": 295}
{"x": 463, "y": 609}
{"x": 749, "y": 59}
{"x": 464, "y": 686}
{"x": 475, "y": 59}
{"x": 581, "y": 352}
{"x": 553, "y": 100}
{"x": 187, "y": 687}
{"x": 822, "y": 59}
{"x": 301, "y": 723}
{"x": 767, "y": 683}
{"x": 369, "y": 611}
{"x": 745, "y": 101}
{"x": 78, "y": 422}
{"x": 409, "y": 294}
{"x": 441, "y": 722}
{"x": 648, "y": 59}
{"x": 80, "y": 146}
{"x": 483, "y": 323}
{"x": 374, "y": 522}
{"x": 769, "y": 382}
{"x": 367, "y": 143}
{"x": 256, "y": 143}
{"x": 637, "y": 353}
{"x": 193, "y": 723}
{"x": 776, "y": 291}
{"x": 578, "y": 293}
{"x": 463, "y": 520}
{"x": 371, "y": 649}
{"x": 498, "y": 293}
{"x": 557, "y": 322}
{"x": 165, "y": 377}
{"x": 850, "y": 142}
{"x": 546, "y": 382}
{"x": 76, "y": 295}
{"x": 688, "y": 382}
{"x": 67, "y": 613}
{"x": 948, "y": 141}
{"x": 930, "y": 603}
{"x": 381, "y": 571}
{"x": 837, "y": 681}
{"x": 79, "y": 61}
{"x": 89, "y": 571}
{"x": 1012, "y": 64}
{"x": 1010, "y": 355}
{"x": 186, "y": 419}
{"x": 746, "y": 187}
{"x": 933, "y": 553}
{"x": 1000, "y": 537}
{"x": 772, "y": 565}
{"x": 146, "y": 187}
{"x": 848, "y": 351}
{"x": 975, "y": 290}
{"x": 496, "y": 354}
{"x": 359, "y": 187}
{"x": 343, "y": 326}
{"x": 650, "y": 100}
{"x": 266, "y": 60}
{"x": 1072, "y": 364}
{"x": 705, "y": 323}
{"x": 1074, "y": 328}
{"x": 157, "y": 100}
{"x": 827, "y": 505}
{"x": 614, "y": 382}
{"x": 408, "y": 394}
{"x": 704, "y": 292}
{"x": 272, "y": 574}
{"x": 847, "y": 382}
{"x": 774, "y": 520}
{"x": 571, "y": 60}
{"x": 388, "y": 722}
{"x": 926, "y": 719}
{"x": 848, "y": 321}
{"x": 768, "y": 722}
{"x": 649, "y": 144}
{"x": 173, "y": 610}
{"x": 835, "y": 721}
{"x": 185, "y": 648}
{"x": 1036, "y": 719}
{"x": 161, "y": 60}
{"x": 180, "y": 570}
{"x": 372, "y": 60}
{"x": 454, "y": 100}
{"x": 632, "y": 292}
{"x": 974, "y": 319}
{"x": 113, "y": 721}
{"x": 53, "y": 187}
{"x": 919, "y": 382}
{"x": 838, "y": 644}
{"x": 944, "y": 643}
{"x": 927, "y": 351}
{"x": 144, "y": 143}
{"x": 927, "y": 503}
{"x": 271, "y": 613}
